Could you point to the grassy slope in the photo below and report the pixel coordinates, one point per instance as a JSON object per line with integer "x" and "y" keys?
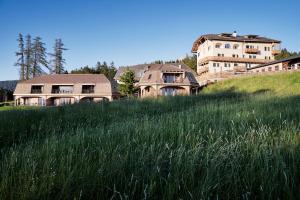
{"x": 233, "y": 143}
{"x": 282, "y": 84}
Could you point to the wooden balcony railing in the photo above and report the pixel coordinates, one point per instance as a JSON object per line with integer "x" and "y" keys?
{"x": 239, "y": 69}
{"x": 234, "y": 60}
{"x": 252, "y": 51}
{"x": 203, "y": 70}
{"x": 275, "y": 52}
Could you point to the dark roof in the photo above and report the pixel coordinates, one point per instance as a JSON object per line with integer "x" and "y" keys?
{"x": 8, "y": 85}
{"x": 277, "y": 61}
{"x": 68, "y": 79}
{"x": 230, "y": 37}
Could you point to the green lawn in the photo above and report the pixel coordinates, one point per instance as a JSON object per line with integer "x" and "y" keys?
{"x": 239, "y": 139}
{"x": 12, "y": 108}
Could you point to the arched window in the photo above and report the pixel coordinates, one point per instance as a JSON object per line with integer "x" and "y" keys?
{"x": 218, "y": 45}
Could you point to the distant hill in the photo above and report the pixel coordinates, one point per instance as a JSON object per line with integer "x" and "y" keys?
{"x": 8, "y": 85}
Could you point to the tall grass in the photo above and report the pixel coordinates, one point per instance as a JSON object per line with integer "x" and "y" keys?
{"x": 223, "y": 145}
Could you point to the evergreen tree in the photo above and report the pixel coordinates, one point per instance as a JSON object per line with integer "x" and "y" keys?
{"x": 58, "y": 60}
{"x": 191, "y": 61}
{"x": 20, "y": 55}
{"x": 28, "y": 57}
{"x": 39, "y": 57}
{"x": 127, "y": 83}
{"x": 285, "y": 54}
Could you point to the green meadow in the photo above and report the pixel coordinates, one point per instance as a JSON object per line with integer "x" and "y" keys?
{"x": 238, "y": 139}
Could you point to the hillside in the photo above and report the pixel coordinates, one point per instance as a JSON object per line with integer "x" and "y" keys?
{"x": 239, "y": 139}
{"x": 8, "y": 85}
{"x": 281, "y": 84}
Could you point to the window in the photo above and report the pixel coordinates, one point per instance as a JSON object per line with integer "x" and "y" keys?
{"x": 227, "y": 46}
{"x": 236, "y": 46}
{"x": 198, "y": 54}
{"x": 269, "y": 69}
{"x": 276, "y": 68}
{"x": 218, "y": 46}
{"x": 267, "y": 48}
{"x": 88, "y": 89}
{"x": 172, "y": 77}
{"x": 254, "y": 56}
{"x": 62, "y": 89}
{"x": 235, "y": 55}
{"x": 216, "y": 64}
{"x": 250, "y": 56}
{"x": 36, "y": 89}
{"x": 149, "y": 77}
{"x": 266, "y": 57}
{"x": 263, "y": 70}
{"x": 220, "y": 55}
{"x": 257, "y": 71}
{"x": 235, "y": 64}
{"x": 227, "y": 65}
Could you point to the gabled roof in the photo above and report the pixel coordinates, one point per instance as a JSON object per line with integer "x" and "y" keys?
{"x": 67, "y": 79}
{"x": 139, "y": 70}
{"x": 292, "y": 58}
{"x": 230, "y": 37}
{"x": 153, "y": 75}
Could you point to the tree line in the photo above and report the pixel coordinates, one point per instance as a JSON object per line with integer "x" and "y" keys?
{"x": 101, "y": 68}
{"x": 32, "y": 57}
{"x": 285, "y": 54}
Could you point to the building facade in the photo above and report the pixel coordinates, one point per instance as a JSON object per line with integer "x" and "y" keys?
{"x": 163, "y": 79}
{"x": 60, "y": 89}
{"x": 225, "y": 52}
{"x": 288, "y": 64}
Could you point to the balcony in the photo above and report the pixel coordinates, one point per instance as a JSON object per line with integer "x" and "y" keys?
{"x": 231, "y": 59}
{"x": 62, "y": 89}
{"x": 172, "y": 78}
{"x": 202, "y": 70}
{"x": 88, "y": 91}
{"x": 252, "y": 51}
{"x": 275, "y": 52}
{"x": 239, "y": 69}
{"x": 36, "y": 91}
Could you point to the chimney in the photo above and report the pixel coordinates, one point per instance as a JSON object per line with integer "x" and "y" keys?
{"x": 234, "y": 34}
{"x": 180, "y": 67}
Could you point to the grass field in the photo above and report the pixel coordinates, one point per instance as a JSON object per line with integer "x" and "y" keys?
{"x": 239, "y": 139}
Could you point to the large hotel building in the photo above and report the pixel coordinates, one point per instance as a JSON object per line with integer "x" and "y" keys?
{"x": 229, "y": 52}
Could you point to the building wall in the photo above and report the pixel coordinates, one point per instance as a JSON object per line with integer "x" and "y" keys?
{"x": 208, "y": 49}
{"x": 275, "y": 67}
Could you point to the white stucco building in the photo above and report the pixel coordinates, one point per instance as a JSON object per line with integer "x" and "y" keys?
{"x": 228, "y": 52}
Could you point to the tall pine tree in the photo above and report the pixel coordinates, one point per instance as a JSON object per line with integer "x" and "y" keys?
{"x": 28, "y": 57}
{"x": 39, "y": 57}
{"x": 20, "y": 55}
{"x": 58, "y": 60}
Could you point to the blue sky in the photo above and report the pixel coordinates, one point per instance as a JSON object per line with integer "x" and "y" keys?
{"x": 138, "y": 31}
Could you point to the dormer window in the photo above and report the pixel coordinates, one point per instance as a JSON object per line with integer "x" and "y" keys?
{"x": 88, "y": 89}
{"x": 36, "y": 89}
